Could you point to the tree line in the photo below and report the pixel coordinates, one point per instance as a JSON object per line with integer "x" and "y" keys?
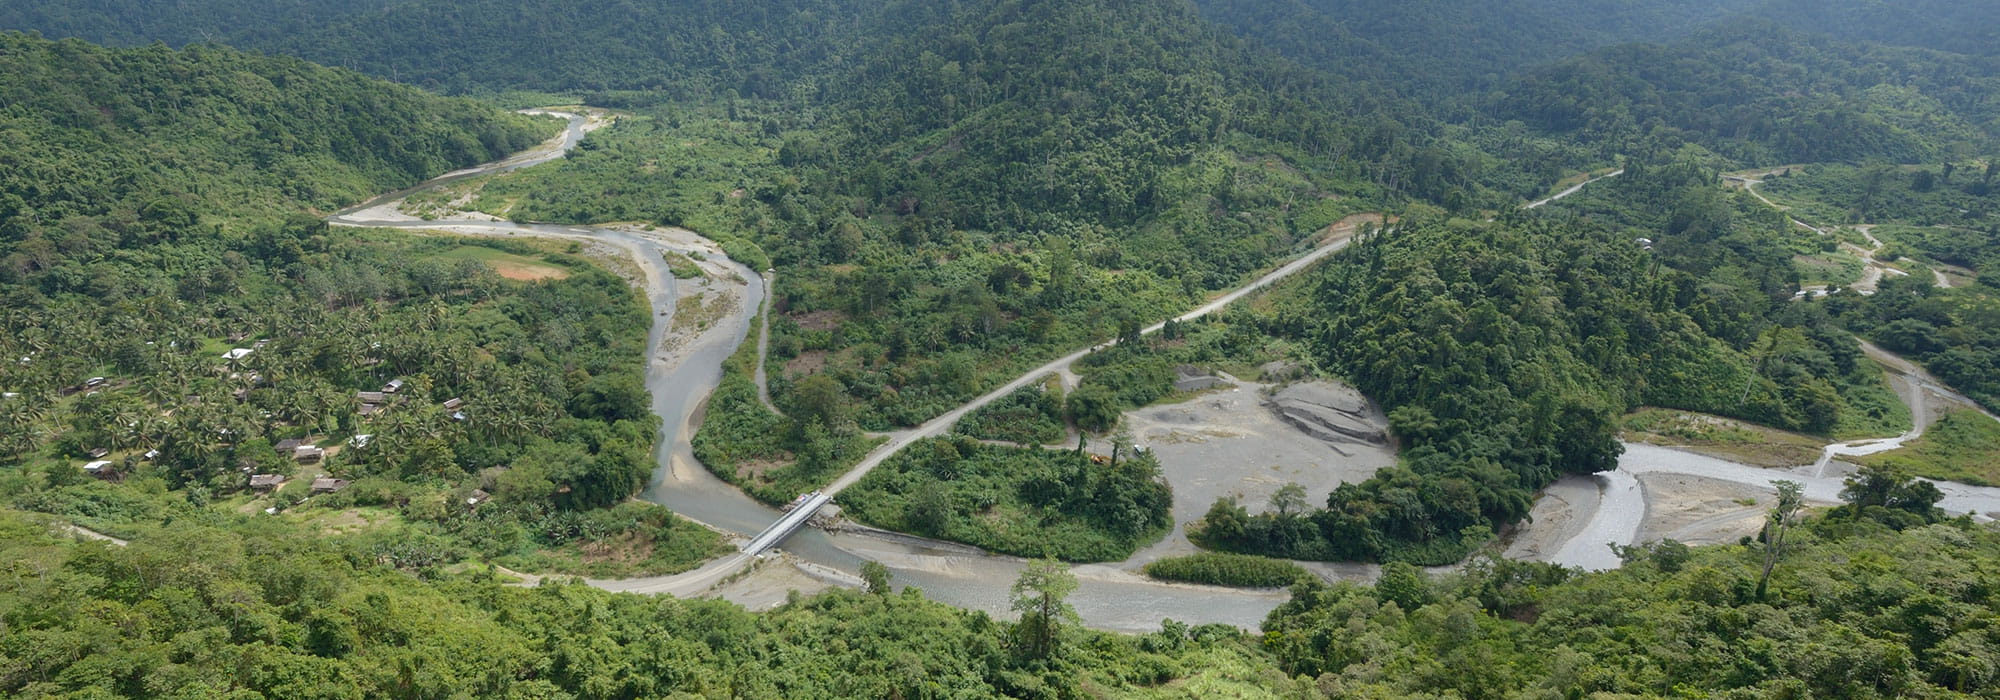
{"x": 183, "y": 236}
{"x": 1504, "y": 351}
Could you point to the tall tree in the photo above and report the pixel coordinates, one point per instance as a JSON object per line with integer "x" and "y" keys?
{"x": 1289, "y": 499}
{"x": 875, "y": 577}
{"x": 1791, "y": 501}
{"x": 1040, "y": 595}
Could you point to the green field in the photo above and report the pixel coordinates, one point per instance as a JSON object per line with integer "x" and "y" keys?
{"x": 1962, "y": 446}
{"x": 514, "y": 267}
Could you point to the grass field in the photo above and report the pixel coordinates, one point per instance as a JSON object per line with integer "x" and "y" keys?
{"x": 682, "y": 266}
{"x": 1837, "y": 269}
{"x": 1962, "y": 446}
{"x": 1873, "y": 409}
{"x": 1726, "y": 438}
{"x": 514, "y": 267}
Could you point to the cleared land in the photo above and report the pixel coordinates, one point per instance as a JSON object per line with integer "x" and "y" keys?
{"x": 1962, "y": 446}
{"x": 514, "y": 267}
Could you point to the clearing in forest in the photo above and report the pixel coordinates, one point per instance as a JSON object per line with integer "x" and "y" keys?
{"x": 514, "y": 267}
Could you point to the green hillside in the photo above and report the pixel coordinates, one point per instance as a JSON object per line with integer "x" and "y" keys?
{"x": 159, "y": 211}
{"x": 98, "y": 139}
{"x": 1761, "y": 93}
{"x": 949, "y": 193}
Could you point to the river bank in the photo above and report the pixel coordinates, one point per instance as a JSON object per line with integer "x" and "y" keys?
{"x": 1655, "y": 492}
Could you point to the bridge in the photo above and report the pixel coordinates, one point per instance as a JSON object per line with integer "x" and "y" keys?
{"x": 1337, "y": 239}
{"x": 811, "y": 503}
{"x": 789, "y": 523}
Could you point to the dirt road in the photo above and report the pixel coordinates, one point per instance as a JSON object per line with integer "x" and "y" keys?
{"x": 1573, "y": 190}
{"x": 1641, "y": 491}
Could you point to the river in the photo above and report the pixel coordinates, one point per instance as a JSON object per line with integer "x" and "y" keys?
{"x": 1108, "y": 596}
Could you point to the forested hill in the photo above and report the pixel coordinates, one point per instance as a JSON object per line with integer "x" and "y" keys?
{"x": 1759, "y": 92}
{"x": 136, "y": 22}
{"x": 94, "y": 141}
{"x": 1031, "y": 115}
{"x": 1436, "y": 49}
{"x": 708, "y": 46}
{"x": 1078, "y": 107}
{"x": 1957, "y": 26}
{"x": 1430, "y": 48}
{"x": 1426, "y": 46}
{"x": 1075, "y": 106}
{"x": 1441, "y": 49}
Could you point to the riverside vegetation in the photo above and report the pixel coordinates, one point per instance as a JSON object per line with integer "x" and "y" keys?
{"x": 955, "y": 192}
{"x": 142, "y": 242}
{"x": 1018, "y": 500}
{"x": 1554, "y": 324}
{"x": 1853, "y": 608}
{"x": 1224, "y": 569}
{"x": 1026, "y": 500}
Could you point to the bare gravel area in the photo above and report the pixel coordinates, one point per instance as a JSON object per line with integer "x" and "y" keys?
{"x": 1699, "y": 510}
{"x": 1558, "y": 516}
{"x": 1234, "y": 443}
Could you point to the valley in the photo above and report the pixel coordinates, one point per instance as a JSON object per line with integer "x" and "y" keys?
{"x": 1655, "y": 492}
{"x": 1051, "y": 349}
{"x": 1115, "y": 597}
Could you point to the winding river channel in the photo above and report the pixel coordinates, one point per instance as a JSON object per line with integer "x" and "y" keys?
{"x": 1109, "y": 596}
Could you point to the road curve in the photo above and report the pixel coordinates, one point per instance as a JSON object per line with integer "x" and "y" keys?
{"x": 672, "y": 393}
{"x": 1872, "y": 269}
{"x": 1622, "y": 505}
{"x": 1114, "y": 600}
{"x": 1919, "y": 420}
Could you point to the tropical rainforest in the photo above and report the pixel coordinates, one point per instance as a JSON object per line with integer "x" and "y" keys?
{"x": 948, "y": 194}
{"x": 157, "y": 236}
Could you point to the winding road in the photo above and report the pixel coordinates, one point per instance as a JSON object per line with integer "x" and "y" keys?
{"x": 1872, "y": 269}
{"x": 679, "y": 381}
{"x": 1622, "y": 501}
{"x": 1108, "y": 597}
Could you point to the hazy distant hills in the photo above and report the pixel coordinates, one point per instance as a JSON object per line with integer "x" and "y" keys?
{"x": 1081, "y": 105}
{"x": 1421, "y": 47}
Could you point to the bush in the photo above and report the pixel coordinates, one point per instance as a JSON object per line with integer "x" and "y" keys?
{"x": 1224, "y": 569}
{"x": 1029, "y": 502}
{"x": 1031, "y": 416}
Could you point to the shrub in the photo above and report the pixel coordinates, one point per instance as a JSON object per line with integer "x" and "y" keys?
{"x": 1224, "y": 569}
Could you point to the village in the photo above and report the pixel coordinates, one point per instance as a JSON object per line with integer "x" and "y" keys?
{"x": 304, "y": 467}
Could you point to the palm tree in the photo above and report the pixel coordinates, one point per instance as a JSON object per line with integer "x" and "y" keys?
{"x": 150, "y": 429}
{"x": 20, "y": 426}
{"x": 124, "y": 416}
{"x": 327, "y": 405}
{"x": 163, "y": 387}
